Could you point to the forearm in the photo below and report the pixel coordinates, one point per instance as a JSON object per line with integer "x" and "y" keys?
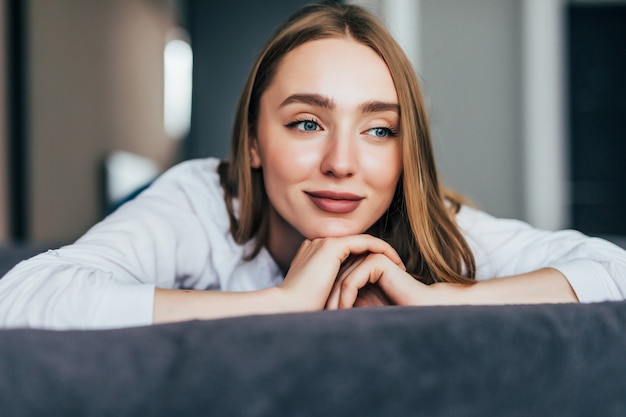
{"x": 179, "y": 305}
{"x": 542, "y": 286}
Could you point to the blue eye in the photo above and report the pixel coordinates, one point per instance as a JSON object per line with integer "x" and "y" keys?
{"x": 308, "y": 125}
{"x": 304, "y": 125}
{"x": 382, "y": 132}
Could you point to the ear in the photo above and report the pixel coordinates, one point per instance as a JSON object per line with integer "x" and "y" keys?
{"x": 255, "y": 158}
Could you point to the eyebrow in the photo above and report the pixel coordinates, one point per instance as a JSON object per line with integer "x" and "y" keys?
{"x": 312, "y": 99}
{"x": 379, "y": 106}
{"x": 319, "y": 100}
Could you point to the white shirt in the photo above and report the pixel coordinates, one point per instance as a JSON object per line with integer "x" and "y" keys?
{"x": 176, "y": 235}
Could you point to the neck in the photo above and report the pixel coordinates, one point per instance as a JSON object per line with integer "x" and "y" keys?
{"x": 283, "y": 241}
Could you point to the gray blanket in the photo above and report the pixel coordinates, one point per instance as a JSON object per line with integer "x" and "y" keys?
{"x": 543, "y": 360}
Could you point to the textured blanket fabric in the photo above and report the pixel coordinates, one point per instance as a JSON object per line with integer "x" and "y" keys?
{"x": 546, "y": 360}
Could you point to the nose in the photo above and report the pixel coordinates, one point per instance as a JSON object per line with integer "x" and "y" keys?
{"x": 340, "y": 159}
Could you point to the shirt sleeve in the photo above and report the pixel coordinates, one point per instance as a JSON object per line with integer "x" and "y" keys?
{"x": 595, "y": 268}
{"x": 107, "y": 277}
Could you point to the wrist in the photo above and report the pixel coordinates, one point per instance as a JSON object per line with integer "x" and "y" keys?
{"x": 445, "y": 293}
{"x": 279, "y": 300}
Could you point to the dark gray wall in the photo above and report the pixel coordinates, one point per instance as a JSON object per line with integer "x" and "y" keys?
{"x": 597, "y": 64}
{"x": 226, "y": 36}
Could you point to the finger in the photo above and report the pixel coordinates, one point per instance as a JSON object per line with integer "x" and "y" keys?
{"x": 364, "y": 243}
{"x": 333, "y": 298}
{"x": 369, "y": 271}
{"x": 313, "y": 272}
{"x": 311, "y": 275}
{"x": 350, "y": 264}
{"x": 398, "y": 287}
{"x": 344, "y": 246}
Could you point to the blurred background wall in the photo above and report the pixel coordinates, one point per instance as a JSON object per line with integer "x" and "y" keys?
{"x": 4, "y": 171}
{"x": 89, "y": 81}
{"x": 86, "y": 78}
{"x": 95, "y": 77}
{"x": 470, "y": 58}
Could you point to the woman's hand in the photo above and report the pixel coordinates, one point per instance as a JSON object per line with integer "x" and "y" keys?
{"x": 306, "y": 287}
{"x": 318, "y": 263}
{"x": 373, "y": 279}
{"x": 545, "y": 285}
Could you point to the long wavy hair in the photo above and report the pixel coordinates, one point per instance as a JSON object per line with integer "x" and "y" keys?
{"x": 419, "y": 223}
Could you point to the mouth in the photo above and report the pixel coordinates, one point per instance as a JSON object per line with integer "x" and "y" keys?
{"x": 334, "y": 202}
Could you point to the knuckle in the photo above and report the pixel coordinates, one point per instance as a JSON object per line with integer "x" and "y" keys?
{"x": 345, "y": 284}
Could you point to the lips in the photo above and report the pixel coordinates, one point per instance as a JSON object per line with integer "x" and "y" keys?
{"x": 334, "y": 202}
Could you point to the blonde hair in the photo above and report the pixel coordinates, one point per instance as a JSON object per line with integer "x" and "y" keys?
{"x": 418, "y": 223}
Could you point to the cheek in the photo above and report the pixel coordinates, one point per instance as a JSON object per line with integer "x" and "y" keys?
{"x": 282, "y": 168}
{"x": 383, "y": 169}
{"x": 285, "y": 159}
{"x": 292, "y": 156}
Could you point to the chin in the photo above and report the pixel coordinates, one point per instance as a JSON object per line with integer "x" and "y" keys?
{"x": 334, "y": 231}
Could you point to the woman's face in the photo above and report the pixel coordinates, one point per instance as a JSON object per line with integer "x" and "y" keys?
{"x": 327, "y": 140}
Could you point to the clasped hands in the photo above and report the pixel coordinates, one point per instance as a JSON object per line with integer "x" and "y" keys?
{"x": 352, "y": 271}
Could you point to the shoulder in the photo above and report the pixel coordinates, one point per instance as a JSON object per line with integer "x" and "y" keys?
{"x": 498, "y": 242}
{"x": 194, "y": 181}
{"x": 189, "y": 192}
{"x": 193, "y": 171}
{"x": 474, "y": 221}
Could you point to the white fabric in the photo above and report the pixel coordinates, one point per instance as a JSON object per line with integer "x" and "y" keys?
{"x": 176, "y": 235}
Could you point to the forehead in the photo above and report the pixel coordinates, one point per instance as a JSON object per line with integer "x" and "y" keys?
{"x": 341, "y": 68}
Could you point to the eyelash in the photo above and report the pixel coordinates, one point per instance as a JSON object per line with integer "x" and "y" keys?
{"x": 298, "y": 121}
{"x": 391, "y": 132}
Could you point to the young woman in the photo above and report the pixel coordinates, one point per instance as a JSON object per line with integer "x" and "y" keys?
{"x": 330, "y": 199}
